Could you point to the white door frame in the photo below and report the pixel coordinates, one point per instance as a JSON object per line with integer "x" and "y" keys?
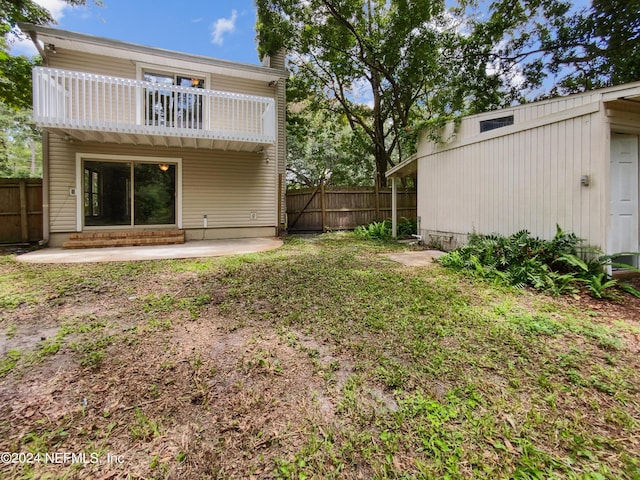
{"x": 123, "y": 158}
{"x": 624, "y": 184}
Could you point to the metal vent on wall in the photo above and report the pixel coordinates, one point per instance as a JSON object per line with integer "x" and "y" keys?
{"x": 486, "y": 125}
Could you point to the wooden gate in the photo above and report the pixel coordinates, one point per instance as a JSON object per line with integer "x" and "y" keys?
{"x": 20, "y": 210}
{"x": 326, "y": 208}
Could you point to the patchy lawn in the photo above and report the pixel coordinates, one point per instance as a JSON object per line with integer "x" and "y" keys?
{"x": 323, "y": 359}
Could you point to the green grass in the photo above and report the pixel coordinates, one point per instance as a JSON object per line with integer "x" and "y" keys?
{"x": 518, "y": 387}
{"x": 435, "y": 375}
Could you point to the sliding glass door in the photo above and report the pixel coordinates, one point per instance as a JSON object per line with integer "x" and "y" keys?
{"x": 129, "y": 193}
{"x": 154, "y": 194}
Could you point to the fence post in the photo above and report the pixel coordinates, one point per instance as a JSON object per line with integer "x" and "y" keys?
{"x": 24, "y": 218}
{"x": 377, "y": 201}
{"x": 322, "y": 206}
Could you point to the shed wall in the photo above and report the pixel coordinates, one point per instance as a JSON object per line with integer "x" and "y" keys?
{"x": 529, "y": 180}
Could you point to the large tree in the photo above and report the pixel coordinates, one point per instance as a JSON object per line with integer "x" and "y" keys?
{"x": 552, "y": 48}
{"x": 391, "y": 65}
{"x": 320, "y": 143}
{"x": 383, "y": 64}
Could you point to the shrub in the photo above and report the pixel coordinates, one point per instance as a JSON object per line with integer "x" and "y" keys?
{"x": 407, "y": 227}
{"x": 380, "y": 231}
{"x": 557, "y": 266}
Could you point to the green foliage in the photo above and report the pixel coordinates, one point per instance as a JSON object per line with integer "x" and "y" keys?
{"x": 320, "y": 144}
{"x": 600, "y": 284}
{"x": 15, "y": 71}
{"x": 407, "y": 227}
{"x": 556, "y": 266}
{"x": 581, "y": 49}
{"x": 143, "y": 428}
{"x": 9, "y": 361}
{"x": 15, "y": 81}
{"x": 379, "y": 231}
{"x": 20, "y": 146}
{"x": 382, "y": 231}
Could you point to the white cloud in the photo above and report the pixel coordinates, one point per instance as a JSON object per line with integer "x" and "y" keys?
{"x": 55, "y": 7}
{"x": 24, "y": 46}
{"x": 223, "y": 26}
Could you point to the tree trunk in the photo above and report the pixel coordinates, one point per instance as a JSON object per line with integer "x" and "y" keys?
{"x": 380, "y": 152}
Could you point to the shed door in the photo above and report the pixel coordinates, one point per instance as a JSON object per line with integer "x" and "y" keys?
{"x": 624, "y": 195}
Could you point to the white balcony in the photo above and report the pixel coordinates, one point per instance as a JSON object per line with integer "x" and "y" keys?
{"x": 99, "y": 108}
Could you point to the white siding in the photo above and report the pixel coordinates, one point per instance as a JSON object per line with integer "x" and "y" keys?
{"x": 117, "y": 67}
{"x": 468, "y": 130}
{"x": 525, "y": 180}
{"x": 226, "y": 186}
{"x": 89, "y": 63}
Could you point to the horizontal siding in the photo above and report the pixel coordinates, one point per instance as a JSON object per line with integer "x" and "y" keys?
{"x": 90, "y": 63}
{"x": 62, "y": 176}
{"x": 116, "y": 67}
{"x": 226, "y": 186}
{"x": 470, "y": 126}
{"x": 528, "y": 180}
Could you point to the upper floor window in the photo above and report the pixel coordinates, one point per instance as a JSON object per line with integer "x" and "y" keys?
{"x": 168, "y": 107}
{"x": 486, "y": 125}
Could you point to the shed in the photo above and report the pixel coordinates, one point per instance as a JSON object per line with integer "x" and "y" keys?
{"x": 570, "y": 161}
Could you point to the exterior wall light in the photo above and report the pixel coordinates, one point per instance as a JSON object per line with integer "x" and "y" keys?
{"x": 585, "y": 180}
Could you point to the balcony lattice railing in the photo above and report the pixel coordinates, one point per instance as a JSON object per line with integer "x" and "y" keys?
{"x": 75, "y": 100}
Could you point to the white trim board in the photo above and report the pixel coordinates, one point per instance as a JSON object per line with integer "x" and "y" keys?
{"x": 125, "y": 158}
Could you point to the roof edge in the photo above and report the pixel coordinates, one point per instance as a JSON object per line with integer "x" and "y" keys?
{"x": 404, "y": 168}
{"x": 138, "y": 48}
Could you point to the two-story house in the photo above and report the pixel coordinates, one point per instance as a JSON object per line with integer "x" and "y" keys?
{"x": 143, "y": 145}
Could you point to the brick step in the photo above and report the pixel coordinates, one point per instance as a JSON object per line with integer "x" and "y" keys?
{"x": 124, "y": 239}
{"x": 125, "y": 234}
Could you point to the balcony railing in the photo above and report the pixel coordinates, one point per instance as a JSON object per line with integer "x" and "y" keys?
{"x": 75, "y": 100}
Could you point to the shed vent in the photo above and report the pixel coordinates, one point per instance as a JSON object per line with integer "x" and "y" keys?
{"x": 486, "y": 125}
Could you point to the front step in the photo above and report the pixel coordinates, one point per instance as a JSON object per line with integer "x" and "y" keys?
{"x": 124, "y": 238}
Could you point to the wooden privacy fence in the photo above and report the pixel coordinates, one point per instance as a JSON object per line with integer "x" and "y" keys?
{"x": 344, "y": 208}
{"x": 20, "y": 210}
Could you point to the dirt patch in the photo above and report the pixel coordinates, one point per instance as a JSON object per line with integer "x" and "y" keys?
{"x": 198, "y": 400}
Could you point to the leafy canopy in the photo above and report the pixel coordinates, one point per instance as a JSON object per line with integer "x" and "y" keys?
{"x": 15, "y": 71}
{"x": 385, "y": 65}
{"x": 391, "y": 67}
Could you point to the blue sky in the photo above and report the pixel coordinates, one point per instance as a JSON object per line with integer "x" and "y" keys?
{"x": 213, "y": 28}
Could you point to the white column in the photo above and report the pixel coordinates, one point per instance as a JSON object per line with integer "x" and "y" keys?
{"x": 394, "y": 208}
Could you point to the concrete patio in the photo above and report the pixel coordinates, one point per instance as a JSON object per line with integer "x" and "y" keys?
{"x": 192, "y": 249}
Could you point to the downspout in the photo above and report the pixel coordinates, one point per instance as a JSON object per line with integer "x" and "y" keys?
{"x": 45, "y": 189}
{"x": 41, "y": 51}
{"x": 45, "y": 156}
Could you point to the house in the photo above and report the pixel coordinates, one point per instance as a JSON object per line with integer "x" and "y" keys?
{"x": 570, "y": 161}
{"x": 142, "y": 143}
